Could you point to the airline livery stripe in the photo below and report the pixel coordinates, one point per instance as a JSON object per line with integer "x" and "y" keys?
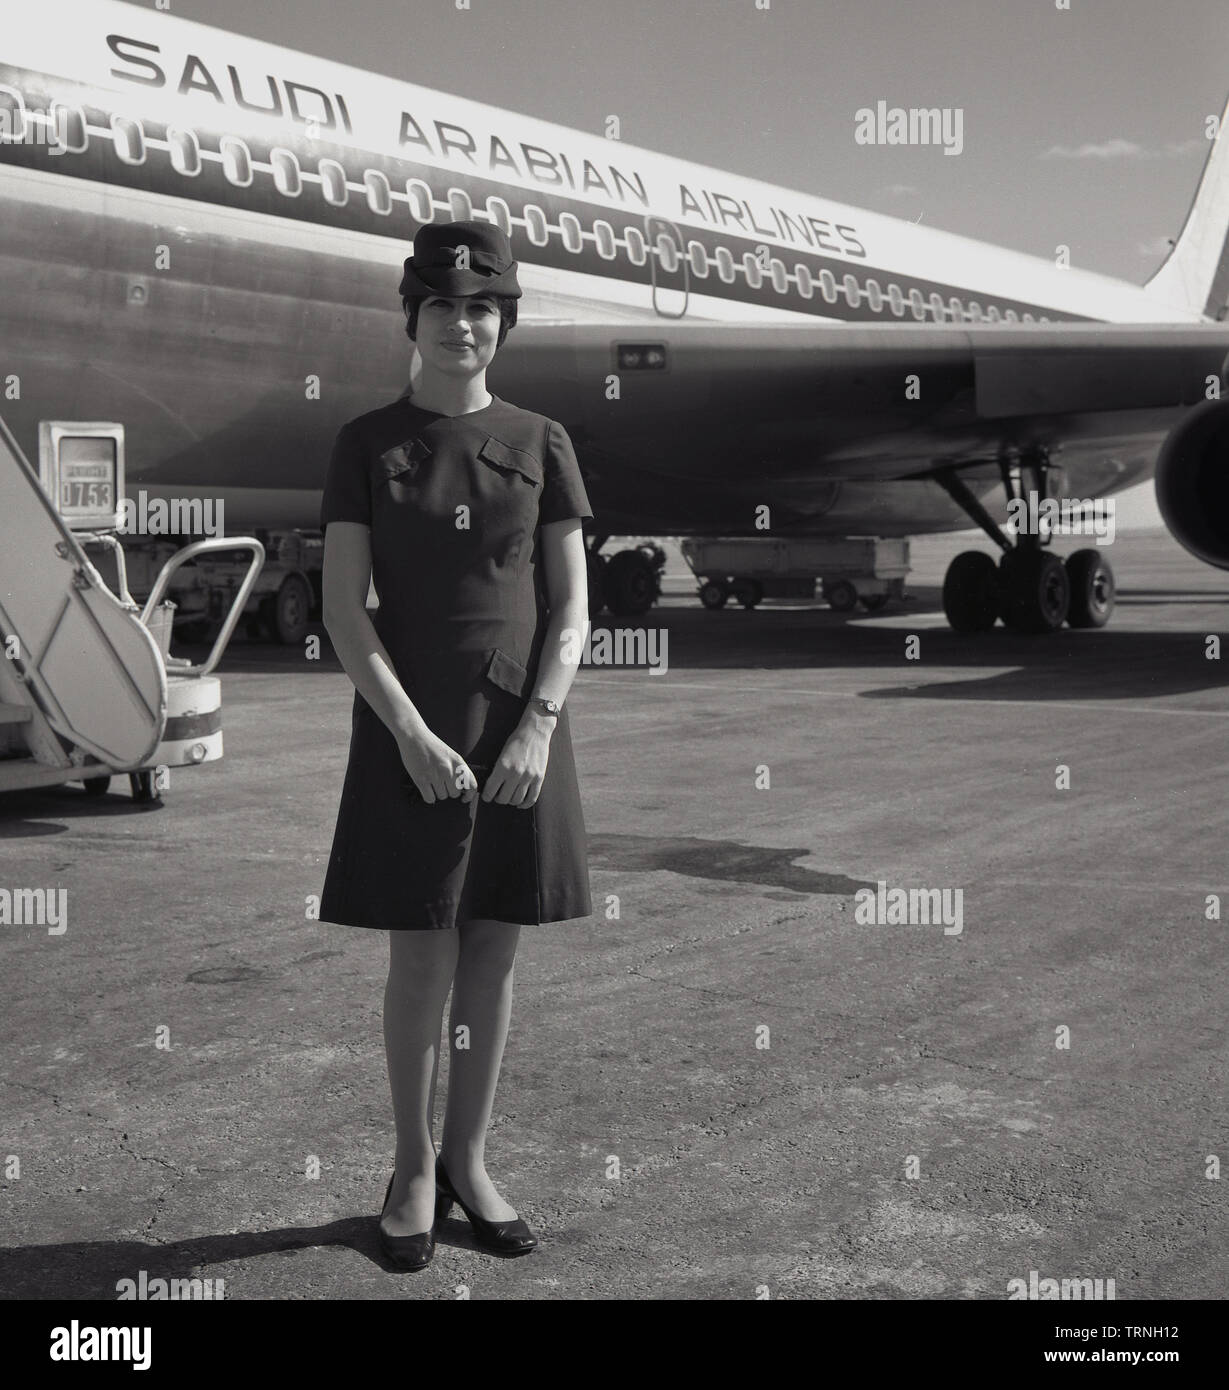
{"x": 546, "y": 229}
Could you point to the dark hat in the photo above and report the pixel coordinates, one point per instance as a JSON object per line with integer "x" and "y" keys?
{"x": 433, "y": 269}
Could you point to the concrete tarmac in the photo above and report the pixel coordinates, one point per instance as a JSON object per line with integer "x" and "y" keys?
{"x": 726, "y": 1078}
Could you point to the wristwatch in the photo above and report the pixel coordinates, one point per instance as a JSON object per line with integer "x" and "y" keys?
{"x": 545, "y": 705}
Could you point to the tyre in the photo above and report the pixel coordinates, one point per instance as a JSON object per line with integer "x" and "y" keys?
{"x": 748, "y": 592}
{"x": 1092, "y": 589}
{"x": 713, "y": 594}
{"x": 1036, "y": 591}
{"x": 292, "y": 610}
{"x": 971, "y": 592}
{"x": 874, "y": 603}
{"x": 630, "y": 584}
{"x": 841, "y": 596}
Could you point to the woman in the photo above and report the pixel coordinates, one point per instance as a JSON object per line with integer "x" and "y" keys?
{"x": 460, "y": 817}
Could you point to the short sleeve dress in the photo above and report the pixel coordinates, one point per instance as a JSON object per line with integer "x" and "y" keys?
{"x": 455, "y": 504}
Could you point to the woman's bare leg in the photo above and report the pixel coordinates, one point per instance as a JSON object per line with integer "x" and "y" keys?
{"x": 481, "y": 1003}
{"x": 420, "y": 971}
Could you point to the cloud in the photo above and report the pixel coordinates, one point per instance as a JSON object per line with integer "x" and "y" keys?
{"x": 1108, "y": 149}
{"x": 1127, "y": 149}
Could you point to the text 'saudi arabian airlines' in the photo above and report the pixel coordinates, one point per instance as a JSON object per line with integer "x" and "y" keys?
{"x": 199, "y": 226}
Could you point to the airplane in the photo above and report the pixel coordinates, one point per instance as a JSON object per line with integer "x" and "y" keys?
{"x": 203, "y": 238}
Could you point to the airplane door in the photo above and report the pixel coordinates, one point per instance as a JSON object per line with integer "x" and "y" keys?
{"x": 668, "y": 262}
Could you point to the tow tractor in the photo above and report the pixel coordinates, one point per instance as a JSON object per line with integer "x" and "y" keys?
{"x": 88, "y": 687}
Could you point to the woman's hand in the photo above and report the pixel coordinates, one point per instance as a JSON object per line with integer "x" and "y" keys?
{"x": 439, "y": 772}
{"x": 516, "y": 779}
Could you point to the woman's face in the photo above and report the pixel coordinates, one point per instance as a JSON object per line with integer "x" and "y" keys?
{"x": 458, "y": 334}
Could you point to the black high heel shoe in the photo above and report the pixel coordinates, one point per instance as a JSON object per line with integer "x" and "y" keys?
{"x": 500, "y": 1237}
{"x": 410, "y": 1252}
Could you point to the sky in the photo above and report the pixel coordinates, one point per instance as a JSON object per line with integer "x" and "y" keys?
{"x": 1083, "y": 126}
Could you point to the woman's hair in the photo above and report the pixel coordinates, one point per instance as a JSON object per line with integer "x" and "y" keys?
{"x": 411, "y": 303}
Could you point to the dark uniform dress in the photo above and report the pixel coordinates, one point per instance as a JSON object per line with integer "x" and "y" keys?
{"x": 463, "y": 615}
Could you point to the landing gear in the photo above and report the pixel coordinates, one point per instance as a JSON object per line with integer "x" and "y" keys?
{"x": 1030, "y": 589}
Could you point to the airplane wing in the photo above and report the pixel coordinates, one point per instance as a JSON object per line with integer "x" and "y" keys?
{"x": 692, "y": 422}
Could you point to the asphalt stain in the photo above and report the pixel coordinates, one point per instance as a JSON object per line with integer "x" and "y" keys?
{"x": 223, "y": 975}
{"x": 723, "y": 860}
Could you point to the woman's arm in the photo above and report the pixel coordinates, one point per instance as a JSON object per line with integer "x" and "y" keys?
{"x": 345, "y": 581}
{"x": 517, "y": 778}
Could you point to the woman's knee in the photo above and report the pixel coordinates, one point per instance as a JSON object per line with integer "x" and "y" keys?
{"x": 487, "y": 946}
{"x": 422, "y": 960}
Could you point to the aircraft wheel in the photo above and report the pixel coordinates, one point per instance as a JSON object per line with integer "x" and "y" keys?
{"x": 96, "y": 786}
{"x": 971, "y": 592}
{"x": 874, "y": 603}
{"x": 748, "y": 592}
{"x": 1092, "y": 589}
{"x": 630, "y": 583}
{"x": 1036, "y": 591}
{"x": 713, "y": 594}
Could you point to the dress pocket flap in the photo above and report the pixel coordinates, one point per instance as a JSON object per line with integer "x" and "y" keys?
{"x": 403, "y": 458}
{"x": 508, "y": 674}
{"x": 505, "y": 456}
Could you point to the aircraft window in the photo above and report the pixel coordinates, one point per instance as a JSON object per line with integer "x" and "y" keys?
{"x": 957, "y": 307}
{"x": 236, "y": 160}
{"x": 637, "y": 253}
{"x": 333, "y": 183}
{"x": 667, "y": 252}
{"x": 129, "y": 139}
{"x": 975, "y": 311}
{"x": 992, "y": 313}
{"x": 780, "y": 280}
{"x": 68, "y": 126}
{"x": 14, "y": 126}
{"x": 918, "y": 304}
{"x": 422, "y": 204}
{"x": 497, "y": 212}
{"x": 185, "y": 150}
{"x": 460, "y": 206}
{"x": 379, "y": 195}
{"x": 751, "y": 269}
{"x": 698, "y": 257}
{"x": 603, "y": 235}
{"x": 725, "y": 264}
{"x": 1011, "y": 316}
{"x": 806, "y": 286}
{"x": 874, "y": 296}
{"x": 535, "y": 224}
{"x": 569, "y": 227}
{"x": 853, "y": 295}
{"x": 896, "y": 300}
{"x": 286, "y": 176}
{"x": 937, "y": 307}
{"x": 827, "y": 285}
